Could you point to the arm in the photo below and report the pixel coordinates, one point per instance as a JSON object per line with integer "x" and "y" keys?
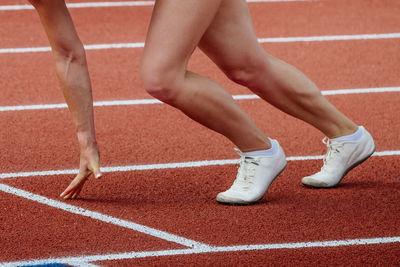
{"x": 72, "y": 72}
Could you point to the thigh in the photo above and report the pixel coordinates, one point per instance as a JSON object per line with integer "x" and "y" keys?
{"x": 175, "y": 29}
{"x": 230, "y": 40}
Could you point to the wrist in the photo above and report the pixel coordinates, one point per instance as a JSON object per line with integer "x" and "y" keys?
{"x": 86, "y": 139}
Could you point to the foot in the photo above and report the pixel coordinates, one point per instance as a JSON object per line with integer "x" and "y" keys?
{"x": 342, "y": 156}
{"x": 254, "y": 177}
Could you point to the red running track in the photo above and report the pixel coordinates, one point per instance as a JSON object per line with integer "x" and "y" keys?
{"x": 181, "y": 201}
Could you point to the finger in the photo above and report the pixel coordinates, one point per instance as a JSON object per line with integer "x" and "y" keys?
{"x": 94, "y": 167}
{"x": 68, "y": 195}
{"x": 78, "y": 181}
{"x": 75, "y": 195}
{"x": 70, "y": 187}
{"x": 66, "y": 192}
{"x": 71, "y": 192}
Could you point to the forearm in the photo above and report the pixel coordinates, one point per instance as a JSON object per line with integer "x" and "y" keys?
{"x": 75, "y": 84}
{"x": 70, "y": 62}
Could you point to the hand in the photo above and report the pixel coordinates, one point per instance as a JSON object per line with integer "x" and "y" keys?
{"x": 89, "y": 164}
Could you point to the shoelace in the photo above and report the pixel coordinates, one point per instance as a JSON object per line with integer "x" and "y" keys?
{"x": 333, "y": 150}
{"x": 246, "y": 171}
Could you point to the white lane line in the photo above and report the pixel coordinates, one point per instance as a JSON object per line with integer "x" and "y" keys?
{"x": 83, "y": 5}
{"x": 87, "y": 47}
{"x": 155, "y": 101}
{"x": 122, "y": 4}
{"x": 25, "y": 50}
{"x": 102, "y": 217}
{"x": 330, "y": 38}
{"x": 188, "y": 164}
{"x": 175, "y": 252}
{"x": 261, "y": 40}
{"x": 362, "y": 91}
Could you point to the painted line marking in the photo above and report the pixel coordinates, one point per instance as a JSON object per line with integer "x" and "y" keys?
{"x": 175, "y": 252}
{"x": 155, "y": 101}
{"x": 261, "y": 40}
{"x": 102, "y": 217}
{"x": 330, "y": 38}
{"x": 123, "y": 4}
{"x": 188, "y": 164}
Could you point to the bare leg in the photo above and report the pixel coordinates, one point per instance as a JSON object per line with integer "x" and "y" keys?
{"x": 234, "y": 48}
{"x": 175, "y": 30}
{"x": 231, "y": 43}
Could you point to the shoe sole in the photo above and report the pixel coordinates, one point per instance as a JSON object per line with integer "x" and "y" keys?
{"x": 255, "y": 201}
{"x": 344, "y": 174}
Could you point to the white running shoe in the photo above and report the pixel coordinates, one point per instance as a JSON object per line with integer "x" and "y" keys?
{"x": 254, "y": 176}
{"x": 342, "y": 156}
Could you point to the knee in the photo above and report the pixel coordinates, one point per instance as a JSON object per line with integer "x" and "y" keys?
{"x": 248, "y": 73}
{"x": 159, "y": 82}
{"x": 241, "y": 75}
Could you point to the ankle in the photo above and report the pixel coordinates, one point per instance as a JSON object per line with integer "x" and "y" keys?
{"x": 264, "y": 145}
{"x": 350, "y": 137}
{"x": 342, "y": 131}
{"x": 264, "y": 152}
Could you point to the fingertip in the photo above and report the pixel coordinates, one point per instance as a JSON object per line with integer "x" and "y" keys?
{"x": 66, "y": 196}
{"x": 98, "y": 175}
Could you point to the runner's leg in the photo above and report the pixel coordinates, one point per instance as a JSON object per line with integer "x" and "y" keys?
{"x": 175, "y": 30}
{"x": 231, "y": 43}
